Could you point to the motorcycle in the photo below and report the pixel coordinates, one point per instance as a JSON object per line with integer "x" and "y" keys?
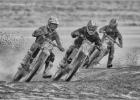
{"x": 37, "y": 63}
{"x": 98, "y": 54}
{"x": 75, "y": 60}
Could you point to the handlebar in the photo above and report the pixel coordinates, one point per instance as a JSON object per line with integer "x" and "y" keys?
{"x": 110, "y": 38}
{"x": 48, "y": 40}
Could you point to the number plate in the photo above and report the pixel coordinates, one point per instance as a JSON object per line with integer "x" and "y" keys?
{"x": 48, "y": 46}
{"x": 86, "y": 47}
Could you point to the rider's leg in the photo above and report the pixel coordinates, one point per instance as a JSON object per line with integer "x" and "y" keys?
{"x": 48, "y": 65}
{"x": 65, "y": 58}
{"x": 110, "y": 57}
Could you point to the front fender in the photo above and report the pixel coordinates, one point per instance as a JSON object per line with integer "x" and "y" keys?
{"x": 45, "y": 51}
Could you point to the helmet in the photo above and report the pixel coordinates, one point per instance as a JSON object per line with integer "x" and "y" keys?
{"x": 113, "y": 22}
{"x": 53, "y": 20}
{"x": 91, "y": 27}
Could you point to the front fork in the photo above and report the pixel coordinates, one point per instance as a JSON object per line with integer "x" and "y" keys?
{"x": 44, "y": 54}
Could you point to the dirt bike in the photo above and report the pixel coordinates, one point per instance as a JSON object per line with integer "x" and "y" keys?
{"x": 98, "y": 54}
{"x": 78, "y": 57}
{"x": 37, "y": 62}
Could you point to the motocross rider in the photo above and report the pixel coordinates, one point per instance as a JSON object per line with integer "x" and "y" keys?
{"x": 48, "y": 31}
{"x": 112, "y": 31}
{"x": 89, "y": 32}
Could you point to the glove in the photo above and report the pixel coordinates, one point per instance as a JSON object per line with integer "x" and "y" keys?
{"x": 46, "y": 35}
{"x": 62, "y": 49}
{"x": 43, "y": 36}
{"x": 81, "y": 35}
{"x": 74, "y": 34}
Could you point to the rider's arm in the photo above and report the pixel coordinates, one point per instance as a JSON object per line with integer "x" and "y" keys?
{"x": 103, "y": 30}
{"x": 103, "y": 37}
{"x": 77, "y": 32}
{"x": 37, "y": 32}
{"x": 57, "y": 39}
{"x": 98, "y": 40}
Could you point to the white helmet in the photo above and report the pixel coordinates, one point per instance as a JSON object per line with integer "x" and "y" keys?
{"x": 113, "y": 22}
{"x": 53, "y": 20}
{"x": 91, "y": 27}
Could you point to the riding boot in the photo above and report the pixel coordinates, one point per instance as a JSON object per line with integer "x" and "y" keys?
{"x": 110, "y": 56}
{"x": 46, "y": 73}
{"x": 109, "y": 63}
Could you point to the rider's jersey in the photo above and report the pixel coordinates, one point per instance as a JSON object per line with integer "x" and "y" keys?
{"x": 92, "y": 38}
{"x": 44, "y": 30}
{"x": 112, "y": 32}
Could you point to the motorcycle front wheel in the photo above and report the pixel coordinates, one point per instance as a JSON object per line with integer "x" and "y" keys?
{"x": 18, "y": 75}
{"x": 35, "y": 68}
{"x": 75, "y": 67}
